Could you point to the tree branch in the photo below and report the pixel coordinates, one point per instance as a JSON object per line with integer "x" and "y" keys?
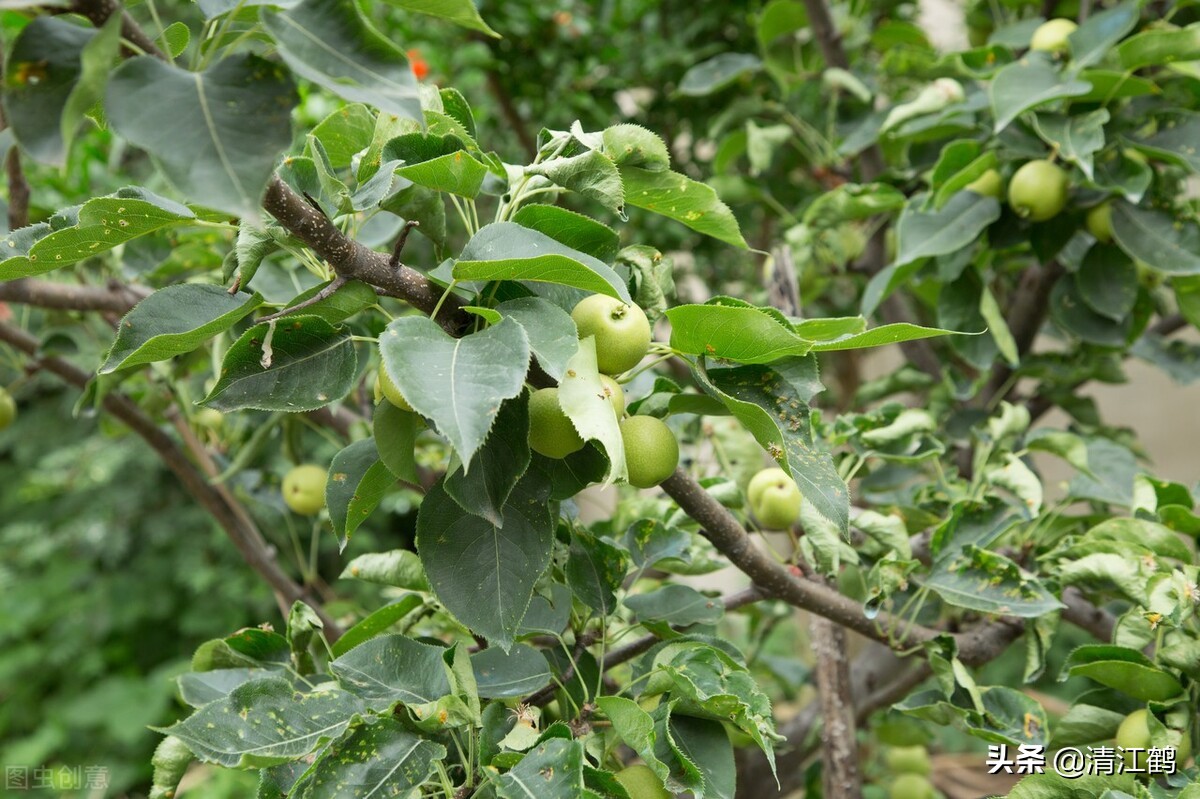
{"x": 244, "y": 537}
{"x": 1027, "y": 311}
{"x": 99, "y": 11}
{"x": 116, "y": 298}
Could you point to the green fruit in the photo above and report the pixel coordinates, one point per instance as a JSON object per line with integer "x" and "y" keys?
{"x": 774, "y": 499}
{"x": 304, "y": 489}
{"x": 908, "y": 760}
{"x": 8, "y": 409}
{"x": 1134, "y": 733}
{"x": 651, "y": 451}
{"x": 911, "y": 786}
{"x": 1099, "y": 222}
{"x": 642, "y": 783}
{"x": 1051, "y": 36}
{"x": 1038, "y": 191}
{"x": 209, "y": 419}
{"x": 385, "y": 387}
{"x": 614, "y": 394}
{"x": 551, "y": 433}
{"x": 622, "y": 331}
{"x": 989, "y": 184}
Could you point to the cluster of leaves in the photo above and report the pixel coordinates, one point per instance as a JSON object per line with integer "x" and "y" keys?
{"x": 509, "y": 595}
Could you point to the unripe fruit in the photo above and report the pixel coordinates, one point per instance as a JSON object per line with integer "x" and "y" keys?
{"x": 8, "y": 409}
{"x": 385, "y": 387}
{"x": 304, "y": 489}
{"x": 774, "y": 499}
{"x": 1038, "y": 191}
{"x": 1099, "y": 222}
{"x": 911, "y": 786}
{"x": 1134, "y": 733}
{"x": 209, "y": 419}
{"x": 550, "y": 431}
{"x": 989, "y": 184}
{"x": 1051, "y": 36}
{"x": 642, "y": 783}
{"x": 622, "y": 331}
{"x": 908, "y": 760}
{"x": 614, "y": 394}
{"x": 651, "y": 451}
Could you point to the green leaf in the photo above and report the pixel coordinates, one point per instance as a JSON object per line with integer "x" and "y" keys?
{"x": 174, "y": 321}
{"x": 705, "y": 743}
{"x": 992, "y": 314}
{"x": 441, "y": 163}
{"x": 298, "y": 363}
{"x": 718, "y": 72}
{"x": 1085, "y": 724}
{"x": 175, "y": 38}
{"x": 54, "y": 75}
{"x": 399, "y": 568}
{"x": 1161, "y": 46}
{"x": 851, "y": 202}
{"x": 519, "y": 672}
{"x": 590, "y": 174}
{"x": 772, "y": 402}
{"x": 483, "y": 574}
{"x": 376, "y": 623}
{"x": 1157, "y": 239}
{"x": 379, "y": 757}
{"x": 459, "y": 383}
{"x": 594, "y": 570}
{"x": 551, "y": 332}
{"x": 1108, "y": 282}
{"x": 959, "y": 222}
{"x": 581, "y": 397}
{"x": 551, "y": 770}
{"x": 576, "y": 231}
{"x": 1092, "y": 40}
{"x": 883, "y": 335}
{"x": 265, "y": 722}
{"x": 1026, "y": 84}
{"x": 680, "y": 198}
{"x": 1071, "y": 312}
{"x": 393, "y": 669}
{"x": 358, "y": 481}
{"x": 215, "y": 134}
{"x": 676, "y": 604}
{"x": 1155, "y": 537}
{"x": 1179, "y": 359}
{"x": 985, "y": 581}
{"x": 508, "y": 251}
{"x": 735, "y": 331}
{"x": 102, "y": 224}
{"x": 632, "y": 145}
{"x": 650, "y": 541}
{"x": 1111, "y": 84}
{"x": 499, "y": 464}
{"x": 1122, "y": 668}
{"x": 396, "y": 438}
{"x": 350, "y": 299}
{"x": 1077, "y": 138}
{"x": 460, "y": 12}
{"x": 345, "y": 133}
{"x": 199, "y": 688}
{"x": 1175, "y": 142}
{"x": 330, "y": 43}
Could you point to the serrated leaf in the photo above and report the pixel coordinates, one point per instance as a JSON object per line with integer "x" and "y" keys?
{"x": 459, "y": 383}
{"x": 582, "y": 398}
{"x": 632, "y": 145}
{"x": 676, "y": 604}
{"x": 1158, "y": 239}
{"x": 590, "y": 174}
{"x": 882, "y": 336}
{"x": 1026, "y": 84}
{"x": 100, "y": 225}
{"x": 576, "y": 231}
{"x": 499, "y": 464}
{"x": 460, "y": 12}
{"x": 705, "y": 743}
{"x": 376, "y": 623}
{"x": 982, "y": 580}
{"x": 298, "y": 363}
{"x": 594, "y": 570}
{"x": 772, "y": 402}
{"x": 508, "y": 251}
{"x": 437, "y": 162}
{"x": 174, "y": 321}
{"x": 483, "y": 574}
{"x": 394, "y": 669}
{"x": 851, "y": 202}
{"x": 330, "y": 43}
{"x": 199, "y": 688}
{"x": 215, "y": 134}
{"x": 358, "y": 481}
{"x": 399, "y": 568}
{"x": 350, "y": 299}
{"x": 345, "y": 133}
{"x": 678, "y": 197}
{"x": 551, "y": 331}
{"x": 551, "y": 770}
{"x": 265, "y": 722}
{"x": 377, "y": 758}
{"x": 507, "y": 675}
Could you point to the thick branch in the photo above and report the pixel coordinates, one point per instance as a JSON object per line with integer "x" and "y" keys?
{"x": 18, "y": 190}
{"x": 841, "y": 778}
{"x": 245, "y": 538}
{"x": 354, "y": 261}
{"x": 67, "y": 297}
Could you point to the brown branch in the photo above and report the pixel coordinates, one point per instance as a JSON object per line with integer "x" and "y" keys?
{"x": 117, "y": 298}
{"x": 328, "y": 291}
{"x": 208, "y": 496}
{"x": 354, "y": 261}
{"x": 841, "y": 777}
{"x": 1026, "y": 313}
{"x": 98, "y": 13}
{"x": 18, "y": 190}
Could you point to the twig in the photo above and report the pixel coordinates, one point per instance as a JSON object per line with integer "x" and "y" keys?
{"x": 98, "y": 12}
{"x": 18, "y": 190}
{"x": 398, "y": 248}
{"x": 245, "y": 539}
{"x": 330, "y": 289}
